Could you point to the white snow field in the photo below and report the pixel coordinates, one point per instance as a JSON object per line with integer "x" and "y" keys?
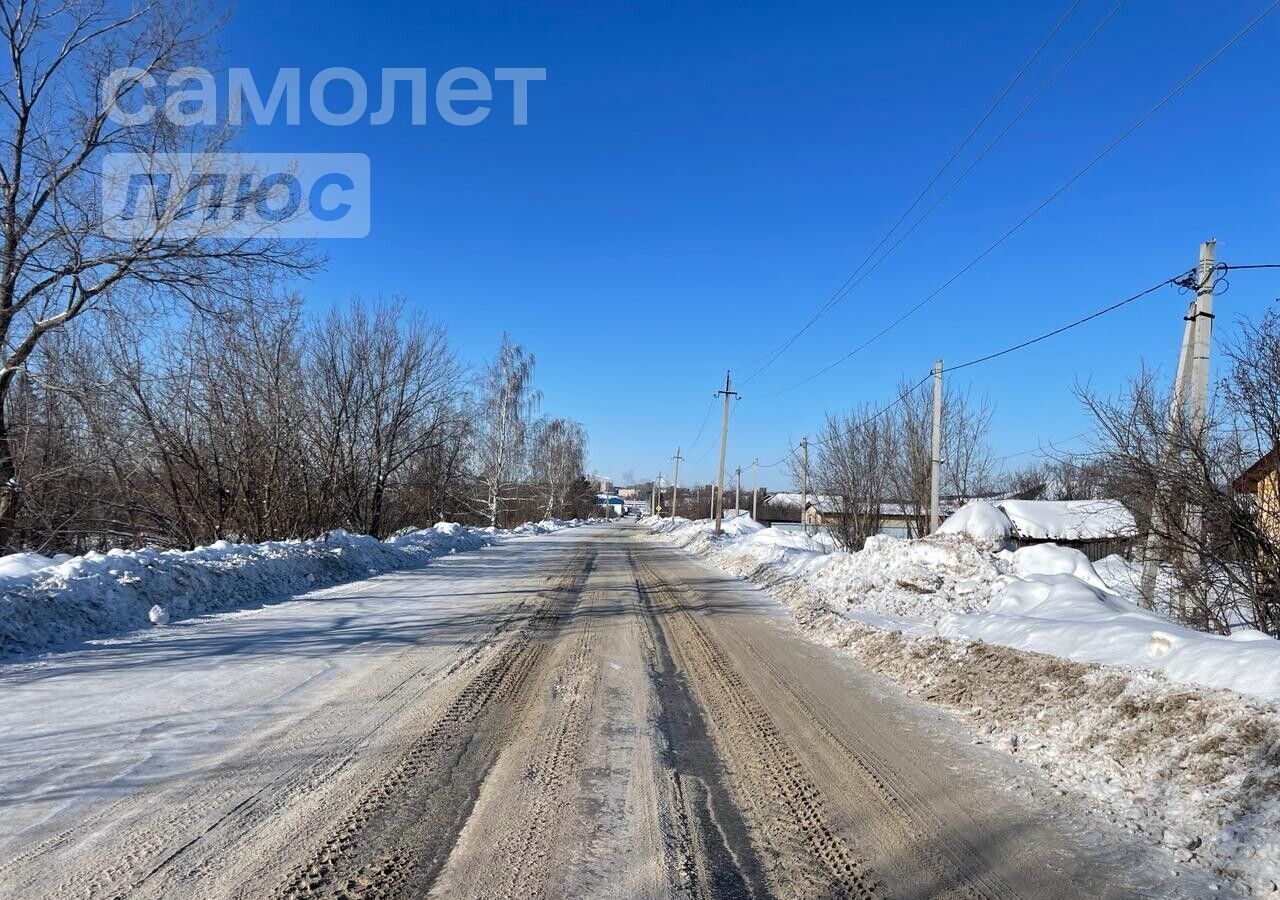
{"x": 1172, "y": 733}
{"x": 49, "y": 602}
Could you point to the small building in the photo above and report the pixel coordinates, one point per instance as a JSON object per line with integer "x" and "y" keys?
{"x": 611, "y": 505}
{"x": 1097, "y": 528}
{"x": 897, "y": 518}
{"x": 1262, "y": 479}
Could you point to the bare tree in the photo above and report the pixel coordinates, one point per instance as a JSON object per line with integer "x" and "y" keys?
{"x": 1213, "y": 542}
{"x": 853, "y": 462}
{"x": 968, "y": 467}
{"x": 507, "y": 402}
{"x": 57, "y": 261}
{"x": 558, "y": 460}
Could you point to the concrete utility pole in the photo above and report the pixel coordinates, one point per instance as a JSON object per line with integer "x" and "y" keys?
{"x": 804, "y": 491}
{"x": 724, "y": 446}
{"x": 675, "y": 482}
{"x": 737, "y": 492}
{"x": 1190, "y": 383}
{"x": 713, "y": 503}
{"x": 935, "y": 468}
{"x": 1204, "y": 334}
{"x": 653, "y": 498}
{"x": 755, "y": 486}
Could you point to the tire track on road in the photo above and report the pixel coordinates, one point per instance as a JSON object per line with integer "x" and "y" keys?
{"x": 804, "y": 853}
{"x": 397, "y": 836}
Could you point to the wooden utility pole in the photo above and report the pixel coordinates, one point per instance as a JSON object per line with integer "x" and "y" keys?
{"x": 724, "y": 446}
{"x": 935, "y": 465}
{"x": 755, "y": 486}
{"x": 675, "y": 482}
{"x": 804, "y": 491}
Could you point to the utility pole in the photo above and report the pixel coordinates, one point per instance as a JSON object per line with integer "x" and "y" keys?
{"x": 675, "y": 482}
{"x": 724, "y": 446}
{"x": 935, "y": 469}
{"x": 755, "y": 486}
{"x": 737, "y": 492}
{"x": 713, "y": 503}
{"x": 653, "y": 499}
{"x": 1204, "y": 334}
{"x": 804, "y": 491}
{"x": 1190, "y": 383}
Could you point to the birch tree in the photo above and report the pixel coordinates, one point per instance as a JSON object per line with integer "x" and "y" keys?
{"x": 507, "y": 403}
{"x": 558, "y": 458}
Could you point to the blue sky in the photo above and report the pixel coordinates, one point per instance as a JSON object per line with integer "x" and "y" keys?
{"x": 696, "y": 179}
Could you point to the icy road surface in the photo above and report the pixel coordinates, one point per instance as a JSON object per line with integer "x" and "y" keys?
{"x": 584, "y": 714}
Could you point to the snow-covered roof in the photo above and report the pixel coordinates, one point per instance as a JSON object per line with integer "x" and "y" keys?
{"x": 1068, "y": 520}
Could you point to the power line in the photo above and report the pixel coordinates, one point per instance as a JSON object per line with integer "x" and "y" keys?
{"x": 1185, "y": 280}
{"x": 1078, "y": 322}
{"x": 990, "y": 146}
{"x": 1053, "y": 445}
{"x": 1124, "y": 135}
{"x": 849, "y": 282}
{"x": 703, "y": 427}
{"x": 862, "y": 424}
{"x": 1181, "y": 279}
{"x": 712, "y": 446}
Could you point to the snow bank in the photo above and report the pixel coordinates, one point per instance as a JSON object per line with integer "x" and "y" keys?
{"x": 49, "y": 601}
{"x": 1043, "y": 598}
{"x": 16, "y": 565}
{"x": 980, "y": 521}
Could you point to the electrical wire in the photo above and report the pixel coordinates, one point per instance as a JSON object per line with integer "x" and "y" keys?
{"x": 862, "y": 424}
{"x": 701, "y": 428}
{"x": 1124, "y": 135}
{"x": 733, "y": 409}
{"x": 990, "y": 146}
{"x": 1053, "y": 445}
{"x": 1181, "y": 279}
{"x": 849, "y": 282}
{"x": 1057, "y": 331}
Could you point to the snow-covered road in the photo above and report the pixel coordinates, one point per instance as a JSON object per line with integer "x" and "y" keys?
{"x": 585, "y": 713}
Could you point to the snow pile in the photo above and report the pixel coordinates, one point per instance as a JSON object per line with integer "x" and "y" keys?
{"x": 15, "y": 565}
{"x": 45, "y": 602}
{"x": 1057, "y": 603}
{"x": 747, "y": 542}
{"x": 910, "y": 585}
{"x": 1043, "y": 598}
{"x": 980, "y": 521}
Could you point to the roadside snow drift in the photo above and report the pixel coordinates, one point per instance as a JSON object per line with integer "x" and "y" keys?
{"x": 46, "y": 601}
{"x": 958, "y": 584}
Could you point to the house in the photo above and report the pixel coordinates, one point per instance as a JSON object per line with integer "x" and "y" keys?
{"x": 897, "y": 518}
{"x": 1097, "y": 528}
{"x": 1262, "y": 479}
